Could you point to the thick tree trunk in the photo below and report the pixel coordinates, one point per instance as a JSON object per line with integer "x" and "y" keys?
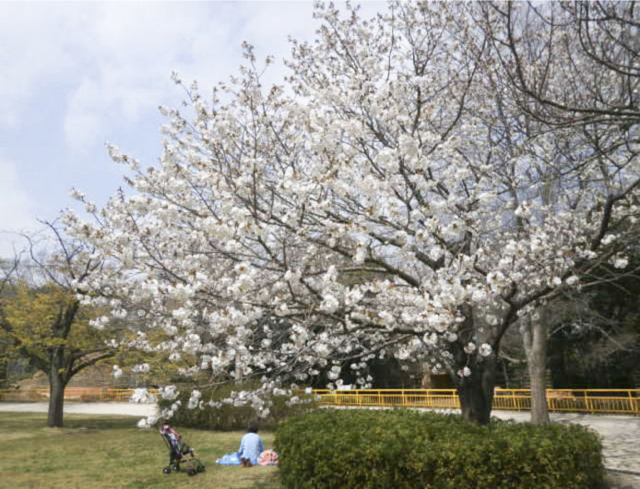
{"x": 535, "y": 345}
{"x": 57, "y": 384}
{"x": 476, "y": 390}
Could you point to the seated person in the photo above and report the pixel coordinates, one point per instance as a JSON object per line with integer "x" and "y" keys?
{"x": 250, "y": 446}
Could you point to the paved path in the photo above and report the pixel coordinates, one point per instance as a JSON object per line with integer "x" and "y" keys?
{"x": 124, "y": 408}
{"x": 620, "y": 434}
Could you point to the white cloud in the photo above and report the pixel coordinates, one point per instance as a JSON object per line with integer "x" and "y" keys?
{"x": 34, "y": 53}
{"x": 16, "y": 215}
{"x": 113, "y": 60}
{"x": 83, "y": 124}
{"x": 76, "y": 74}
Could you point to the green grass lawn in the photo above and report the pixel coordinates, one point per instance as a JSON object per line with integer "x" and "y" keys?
{"x": 110, "y": 452}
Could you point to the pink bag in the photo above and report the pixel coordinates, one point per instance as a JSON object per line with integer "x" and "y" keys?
{"x": 268, "y": 457}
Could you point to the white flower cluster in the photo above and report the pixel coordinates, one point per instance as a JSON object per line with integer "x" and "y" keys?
{"x": 142, "y": 368}
{"x": 168, "y": 392}
{"x": 194, "y": 399}
{"x": 168, "y": 413}
{"x": 148, "y": 422}
{"x": 142, "y": 396}
{"x": 117, "y": 372}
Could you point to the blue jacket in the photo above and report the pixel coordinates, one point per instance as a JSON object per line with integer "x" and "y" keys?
{"x": 251, "y": 447}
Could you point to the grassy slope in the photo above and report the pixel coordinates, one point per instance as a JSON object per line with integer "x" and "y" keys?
{"x": 110, "y": 452}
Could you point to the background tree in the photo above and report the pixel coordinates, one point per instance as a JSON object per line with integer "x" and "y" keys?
{"x": 387, "y": 155}
{"x": 7, "y": 268}
{"x": 595, "y": 335}
{"x": 42, "y": 318}
{"x": 574, "y": 68}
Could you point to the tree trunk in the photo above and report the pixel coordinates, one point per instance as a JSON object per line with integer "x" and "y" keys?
{"x": 476, "y": 390}
{"x": 57, "y": 384}
{"x": 4, "y": 362}
{"x": 535, "y": 346}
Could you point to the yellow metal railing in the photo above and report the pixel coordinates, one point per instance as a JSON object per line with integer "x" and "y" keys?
{"x": 612, "y": 401}
{"x": 427, "y": 398}
{"x": 85, "y": 394}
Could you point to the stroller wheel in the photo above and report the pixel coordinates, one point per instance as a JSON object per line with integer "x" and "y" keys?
{"x": 166, "y": 470}
{"x": 175, "y": 467}
{"x": 191, "y": 472}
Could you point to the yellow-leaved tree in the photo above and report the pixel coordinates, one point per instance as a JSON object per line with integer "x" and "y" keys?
{"x": 42, "y": 318}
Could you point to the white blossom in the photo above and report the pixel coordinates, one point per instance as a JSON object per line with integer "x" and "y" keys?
{"x": 194, "y": 399}
{"x": 485, "y": 350}
{"x": 169, "y": 392}
{"x": 621, "y": 262}
{"x": 142, "y": 368}
{"x": 142, "y": 396}
{"x": 117, "y": 372}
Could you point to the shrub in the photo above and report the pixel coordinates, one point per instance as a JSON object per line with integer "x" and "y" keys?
{"x": 227, "y": 417}
{"x": 409, "y": 450}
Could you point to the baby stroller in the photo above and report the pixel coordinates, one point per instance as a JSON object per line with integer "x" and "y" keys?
{"x": 181, "y": 456}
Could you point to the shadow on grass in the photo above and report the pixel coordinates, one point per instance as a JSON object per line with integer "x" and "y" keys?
{"x": 93, "y": 423}
{"x": 34, "y": 421}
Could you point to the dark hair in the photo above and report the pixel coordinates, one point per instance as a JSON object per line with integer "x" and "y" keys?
{"x": 253, "y": 428}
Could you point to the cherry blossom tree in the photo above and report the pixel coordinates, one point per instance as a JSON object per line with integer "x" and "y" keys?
{"x": 390, "y": 199}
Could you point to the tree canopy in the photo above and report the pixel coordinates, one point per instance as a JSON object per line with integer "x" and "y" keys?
{"x": 431, "y": 150}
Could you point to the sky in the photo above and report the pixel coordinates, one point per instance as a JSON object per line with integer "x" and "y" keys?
{"x": 75, "y": 76}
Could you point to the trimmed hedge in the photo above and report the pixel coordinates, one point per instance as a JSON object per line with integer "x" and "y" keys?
{"x": 408, "y": 450}
{"x": 228, "y": 417}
